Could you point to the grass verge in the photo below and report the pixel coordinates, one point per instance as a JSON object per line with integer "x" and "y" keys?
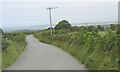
{"x": 16, "y": 46}
{"x": 96, "y": 52}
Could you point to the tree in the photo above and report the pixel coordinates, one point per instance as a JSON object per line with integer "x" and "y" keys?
{"x": 114, "y": 27}
{"x": 63, "y": 25}
{"x": 91, "y": 28}
{"x": 49, "y": 28}
{"x": 74, "y": 28}
{"x": 100, "y": 28}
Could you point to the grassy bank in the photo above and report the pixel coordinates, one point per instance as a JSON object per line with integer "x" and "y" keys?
{"x": 97, "y": 51}
{"x": 0, "y": 50}
{"x": 12, "y": 46}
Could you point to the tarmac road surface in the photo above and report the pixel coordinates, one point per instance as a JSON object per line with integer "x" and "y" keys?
{"x": 41, "y": 56}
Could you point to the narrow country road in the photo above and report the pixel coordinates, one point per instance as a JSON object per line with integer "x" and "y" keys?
{"x": 41, "y": 56}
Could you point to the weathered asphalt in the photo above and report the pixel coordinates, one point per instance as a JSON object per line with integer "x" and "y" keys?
{"x": 41, "y": 56}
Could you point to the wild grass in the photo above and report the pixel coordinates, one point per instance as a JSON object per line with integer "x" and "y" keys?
{"x": 97, "y": 51}
{"x": 14, "y": 50}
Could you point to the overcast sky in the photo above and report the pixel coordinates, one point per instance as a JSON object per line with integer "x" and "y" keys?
{"x": 18, "y": 14}
{"x": 59, "y": 0}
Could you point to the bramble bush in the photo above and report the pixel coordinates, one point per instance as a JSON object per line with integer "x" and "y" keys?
{"x": 96, "y": 52}
{"x": 13, "y": 45}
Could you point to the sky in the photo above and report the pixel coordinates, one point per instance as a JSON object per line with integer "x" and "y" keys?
{"x": 59, "y": 0}
{"x": 30, "y": 13}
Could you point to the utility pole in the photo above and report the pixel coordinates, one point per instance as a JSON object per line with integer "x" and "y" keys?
{"x": 51, "y": 30}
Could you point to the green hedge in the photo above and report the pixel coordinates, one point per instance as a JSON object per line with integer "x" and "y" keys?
{"x": 13, "y": 45}
{"x": 95, "y": 51}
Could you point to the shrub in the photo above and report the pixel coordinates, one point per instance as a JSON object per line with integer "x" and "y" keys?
{"x": 90, "y": 48}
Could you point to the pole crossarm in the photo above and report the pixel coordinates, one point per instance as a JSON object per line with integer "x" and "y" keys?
{"x": 51, "y": 8}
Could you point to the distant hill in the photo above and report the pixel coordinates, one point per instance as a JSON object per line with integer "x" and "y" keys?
{"x": 23, "y": 30}
{"x": 40, "y": 28}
